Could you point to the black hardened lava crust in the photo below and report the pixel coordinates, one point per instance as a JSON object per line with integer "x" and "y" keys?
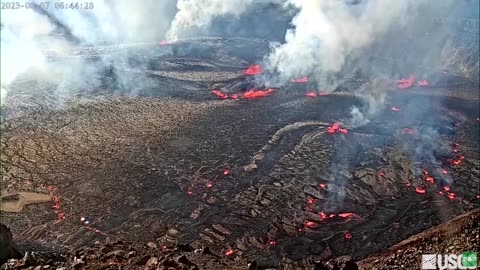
{"x": 173, "y": 164}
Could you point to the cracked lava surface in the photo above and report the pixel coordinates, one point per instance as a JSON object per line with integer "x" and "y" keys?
{"x": 260, "y": 177}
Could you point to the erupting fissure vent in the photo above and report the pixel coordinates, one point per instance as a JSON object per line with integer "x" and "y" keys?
{"x": 253, "y": 70}
{"x": 252, "y": 93}
{"x": 335, "y": 128}
{"x": 407, "y": 83}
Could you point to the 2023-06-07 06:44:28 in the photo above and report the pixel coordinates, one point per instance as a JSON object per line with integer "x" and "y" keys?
{"x": 46, "y": 5}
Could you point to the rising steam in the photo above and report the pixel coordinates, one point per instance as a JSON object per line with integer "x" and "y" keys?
{"x": 30, "y": 36}
{"x": 200, "y": 13}
{"x": 329, "y": 33}
{"x": 326, "y": 36}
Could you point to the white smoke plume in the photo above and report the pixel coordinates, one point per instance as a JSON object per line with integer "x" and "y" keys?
{"x": 327, "y": 31}
{"x": 29, "y": 36}
{"x": 19, "y": 53}
{"x": 200, "y": 13}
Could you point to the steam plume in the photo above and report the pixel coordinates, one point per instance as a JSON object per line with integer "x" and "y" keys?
{"x": 200, "y": 13}
{"x": 29, "y": 35}
{"x": 327, "y": 32}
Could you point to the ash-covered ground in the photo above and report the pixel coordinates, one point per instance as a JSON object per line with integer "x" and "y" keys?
{"x": 165, "y": 160}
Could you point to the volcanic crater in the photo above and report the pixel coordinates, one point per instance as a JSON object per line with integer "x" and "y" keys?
{"x": 203, "y": 154}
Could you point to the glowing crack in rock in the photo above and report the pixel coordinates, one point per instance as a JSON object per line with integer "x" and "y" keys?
{"x": 229, "y": 252}
{"x": 420, "y": 190}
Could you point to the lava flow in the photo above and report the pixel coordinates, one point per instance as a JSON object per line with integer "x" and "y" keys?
{"x": 335, "y": 128}
{"x": 220, "y": 94}
{"x": 253, "y": 70}
{"x": 252, "y": 93}
{"x": 405, "y": 83}
{"x": 423, "y": 83}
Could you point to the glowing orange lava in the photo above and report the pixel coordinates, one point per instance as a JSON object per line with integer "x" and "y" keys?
{"x": 229, "y": 252}
{"x": 253, "y": 70}
{"x": 423, "y": 83}
{"x": 405, "y": 83}
{"x": 252, "y": 93}
{"x": 310, "y": 224}
{"x": 220, "y": 94}
{"x": 336, "y": 128}
{"x": 420, "y": 190}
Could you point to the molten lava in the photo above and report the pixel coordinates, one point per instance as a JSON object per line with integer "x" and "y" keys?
{"x": 405, "y": 83}
{"x": 229, "y": 252}
{"x": 348, "y": 215}
{"x": 252, "y": 93}
{"x": 310, "y": 224}
{"x": 310, "y": 200}
{"x": 423, "y": 83}
{"x": 335, "y": 128}
{"x": 226, "y": 172}
{"x": 429, "y": 179}
{"x": 343, "y": 130}
{"x": 220, "y": 94}
{"x": 395, "y": 109}
{"x": 324, "y": 186}
{"x": 253, "y": 70}
{"x": 420, "y": 190}
{"x": 300, "y": 80}
{"x": 451, "y": 195}
{"x": 311, "y": 94}
{"x": 348, "y": 236}
{"x": 446, "y": 188}
{"x": 208, "y": 184}
{"x": 272, "y": 242}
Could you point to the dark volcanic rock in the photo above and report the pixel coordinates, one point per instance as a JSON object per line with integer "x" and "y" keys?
{"x": 8, "y": 248}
